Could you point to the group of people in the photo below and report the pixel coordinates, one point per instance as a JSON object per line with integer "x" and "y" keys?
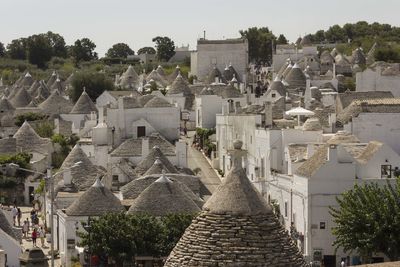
{"x": 37, "y": 231}
{"x": 17, "y": 215}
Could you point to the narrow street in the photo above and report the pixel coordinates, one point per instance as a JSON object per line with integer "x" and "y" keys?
{"x": 196, "y": 159}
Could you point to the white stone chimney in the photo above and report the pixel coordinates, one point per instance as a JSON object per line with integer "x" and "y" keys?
{"x": 268, "y": 113}
{"x": 67, "y": 177}
{"x": 145, "y": 147}
{"x": 332, "y": 153}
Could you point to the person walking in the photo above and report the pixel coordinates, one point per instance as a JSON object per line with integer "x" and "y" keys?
{"x": 34, "y": 236}
{"x": 19, "y": 215}
{"x": 41, "y": 236}
{"x": 25, "y": 228}
{"x": 14, "y": 212}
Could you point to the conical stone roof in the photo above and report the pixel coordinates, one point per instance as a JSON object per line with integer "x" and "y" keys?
{"x": 157, "y": 168}
{"x": 144, "y": 99}
{"x": 21, "y": 98}
{"x": 6, "y": 226}
{"x": 236, "y": 228}
{"x": 56, "y": 104}
{"x": 27, "y": 81}
{"x": 179, "y": 86}
{"x": 163, "y": 197}
{"x": 129, "y": 79}
{"x": 157, "y": 102}
{"x": 214, "y": 73}
{"x": 52, "y": 79}
{"x": 358, "y": 57}
{"x": 296, "y": 78}
{"x": 157, "y": 78}
{"x": 149, "y": 160}
{"x": 174, "y": 74}
{"x": 96, "y": 201}
{"x": 277, "y": 86}
{"x": 160, "y": 70}
{"x": 85, "y": 174}
{"x": 6, "y": 105}
{"x": 84, "y": 105}
{"x": 28, "y": 140}
{"x": 33, "y": 89}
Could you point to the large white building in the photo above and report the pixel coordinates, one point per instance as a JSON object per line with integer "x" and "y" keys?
{"x": 219, "y": 54}
{"x": 380, "y": 76}
{"x": 325, "y": 172}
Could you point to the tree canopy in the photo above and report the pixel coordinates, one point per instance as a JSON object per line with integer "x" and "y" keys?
{"x": 2, "y": 50}
{"x": 95, "y": 84}
{"x": 281, "y": 39}
{"x": 260, "y": 43}
{"x": 368, "y": 220}
{"x": 39, "y": 50}
{"x": 122, "y": 236}
{"x": 356, "y": 31}
{"x": 17, "y": 49}
{"x": 165, "y": 48}
{"x": 83, "y": 50}
{"x": 146, "y": 50}
{"x": 121, "y": 50}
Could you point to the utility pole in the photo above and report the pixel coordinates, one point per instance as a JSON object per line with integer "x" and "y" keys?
{"x": 50, "y": 177}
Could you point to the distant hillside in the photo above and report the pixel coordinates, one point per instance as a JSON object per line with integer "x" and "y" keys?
{"x": 362, "y": 34}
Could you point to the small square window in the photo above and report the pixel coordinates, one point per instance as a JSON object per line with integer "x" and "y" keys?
{"x": 322, "y": 225}
{"x": 273, "y": 95}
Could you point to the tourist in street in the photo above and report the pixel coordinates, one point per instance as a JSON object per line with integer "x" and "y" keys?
{"x": 41, "y": 236}
{"x": 14, "y": 212}
{"x": 19, "y": 215}
{"x": 25, "y": 228}
{"x": 34, "y": 236}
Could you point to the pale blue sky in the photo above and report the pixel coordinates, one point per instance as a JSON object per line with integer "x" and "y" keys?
{"x": 137, "y": 22}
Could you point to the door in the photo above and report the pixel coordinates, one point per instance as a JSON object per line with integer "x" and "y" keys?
{"x": 141, "y": 131}
{"x": 329, "y": 260}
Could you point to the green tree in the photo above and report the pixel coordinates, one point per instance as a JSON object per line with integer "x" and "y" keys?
{"x": 146, "y": 50}
{"x": 174, "y": 225}
{"x": 2, "y": 50}
{"x": 44, "y": 129}
{"x": 165, "y": 48}
{"x": 335, "y": 34}
{"x": 94, "y": 82}
{"x": 83, "y": 50}
{"x": 29, "y": 116}
{"x": 387, "y": 54}
{"x": 39, "y": 50}
{"x": 368, "y": 220}
{"x": 57, "y": 43}
{"x": 281, "y": 39}
{"x": 122, "y": 236}
{"x": 17, "y": 49}
{"x": 111, "y": 235}
{"x": 318, "y": 37}
{"x": 260, "y": 43}
{"x": 120, "y": 50}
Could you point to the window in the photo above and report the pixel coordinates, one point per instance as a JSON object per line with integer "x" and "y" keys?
{"x": 286, "y": 209}
{"x": 322, "y": 225}
{"x": 273, "y": 95}
{"x": 141, "y": 131}
{"x": 198, "y": 117}
{"x": 386, "y": 171}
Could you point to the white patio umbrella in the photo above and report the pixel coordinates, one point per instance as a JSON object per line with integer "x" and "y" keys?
{"x": 299, "y": 111}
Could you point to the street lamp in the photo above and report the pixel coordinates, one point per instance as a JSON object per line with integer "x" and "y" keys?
{"x": 49, "y": 176}
{"x": 87, "y": 226}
